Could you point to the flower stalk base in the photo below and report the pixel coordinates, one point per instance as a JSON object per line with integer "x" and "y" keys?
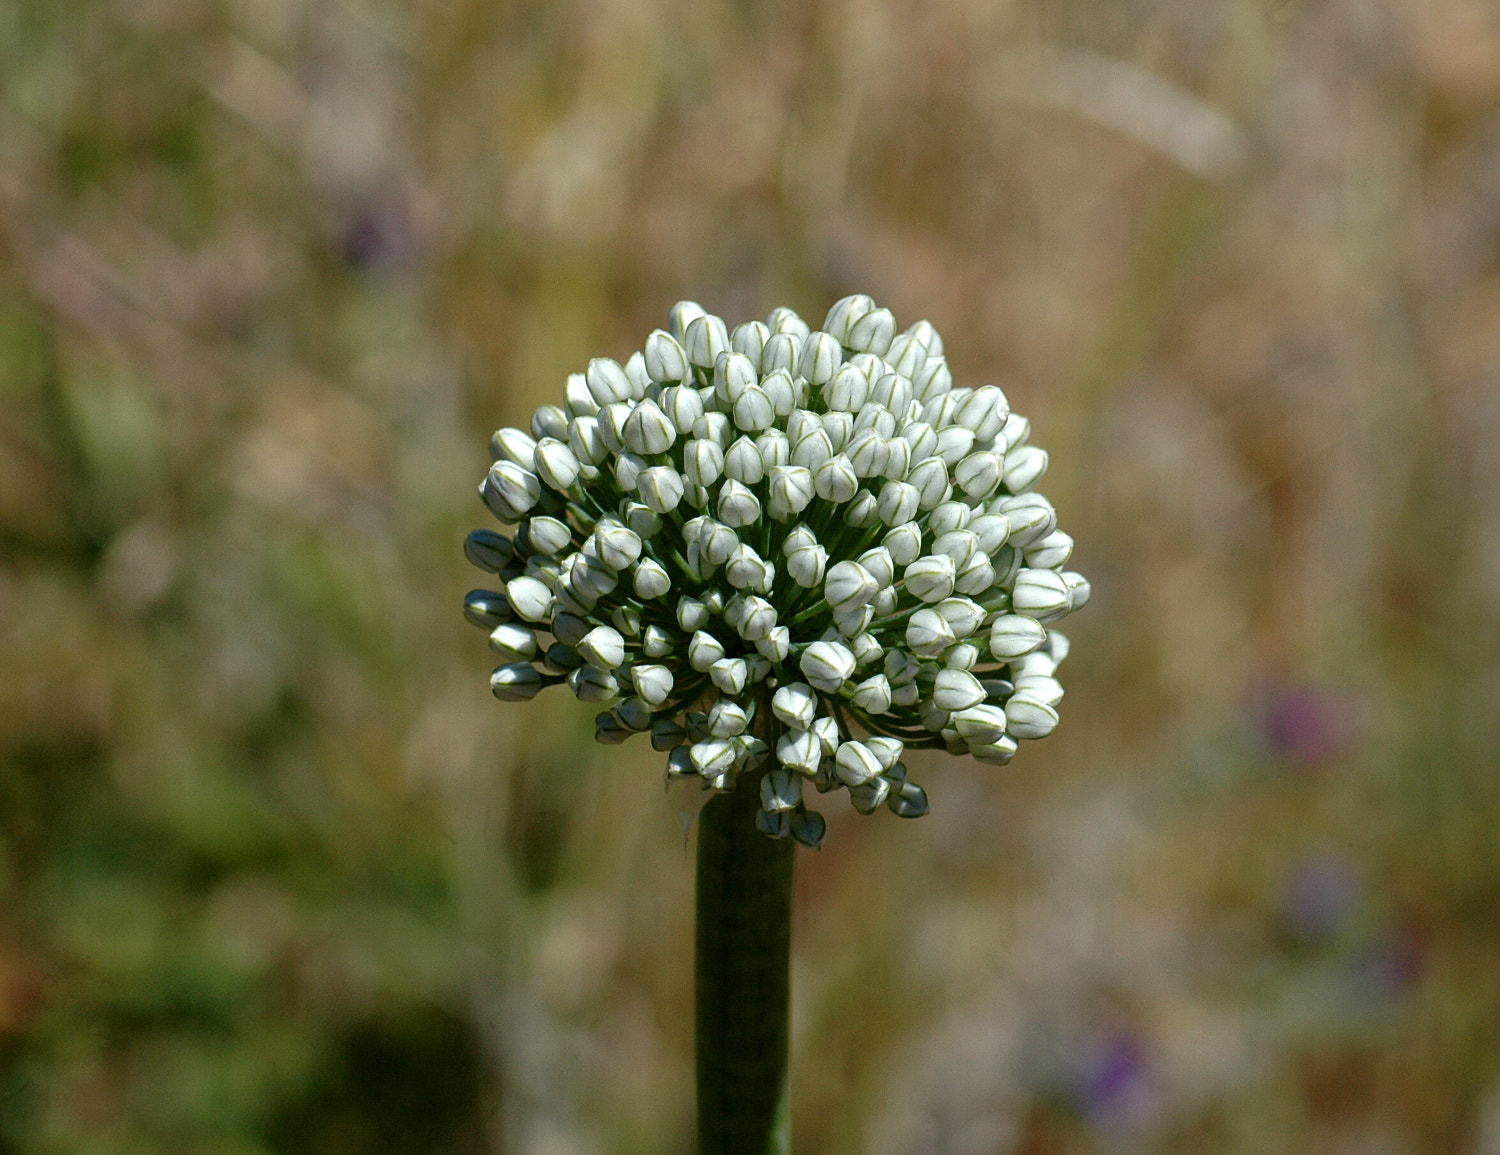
{"x": 743, "y": 981}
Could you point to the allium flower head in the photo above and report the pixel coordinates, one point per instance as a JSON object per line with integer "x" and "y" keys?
{"x": 785, "y": 552}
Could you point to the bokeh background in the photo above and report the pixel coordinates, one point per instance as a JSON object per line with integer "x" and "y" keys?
{"x": 278, "y": 875}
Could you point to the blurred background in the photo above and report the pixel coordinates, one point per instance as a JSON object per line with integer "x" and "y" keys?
{"x": 277, "y": 874}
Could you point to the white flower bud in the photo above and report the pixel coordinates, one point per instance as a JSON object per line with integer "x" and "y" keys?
{"x": 898, "y": 459}
{"x": 650, "y": 580}
{"x": 702, "y": 461}
{"x": 1040, "y": 688}
{"x": 835, "y": 480}
{"x": 549, "y": 421}
{"x": 750, "y": 339}
{"x": 743, "y": 462}
{"x": 603, "y": 646}
{"x": 855, "y": 763}
{"x": 996, "y": 753}
{"x": 486, "y": 608}
{"x": 806, "y": 566}
{"x": 653, "y": 683}
{"x": 866, "y": 649}
{"x": 516, "y": 682}
{"x": 775, "y": 450}
{"x": 628, "y": 469}
{"x": 713, "y": 757}
{"x": 1051, "y": 552}
{"x": 585, "y": 440}
{"x": 1040, "y": 594}
{"x": 780, "y": 792}
{"x": 959, "y": 544}
{"x": 577, "y": 400}
{"x": 783, "y": 353}
{"x": 963, "y": 615}
{"x": 745, "y": 570}
{"x": 868, "y": 453}
{"x": 730, "y": 675}
{"x": 661, "y": 488}
{"x": 1007, "y": 563}
{"x": 928, "y": 634}
{"x": 509, "y": 490}
{"x": 714, "y": 426}
{"x": 791, "y": 490}
{"x": 683, "y": 407}
{"x": 726, "y": 719}
{"x": 844, "y": 313}
{"x": 795, "y": 705}
{"x": 894, "y": 392}
{"x": 1015, "y": 431}
{"x": 513, "y": 642}
{"x": 813, "y": 448}
{"x": 886, "y": 601}
{"x": 1057, "y": 645}
{"x": 681, "y": 315}
{"x": 530, "y": 599}
{"x": 592, "y": 684}
{"x": 938, "y": 411}
{"x": 648, "y": 430}
{"x": 906, "y": 355}
{"x": 719, "y": 543}
{"x": 849, "y": 586}
{"x": 1024, "y": 467}
{"x": 692, "y": 614}
{"x": 642, "y": 520}
{"x": 870, "y": 795}
{"x": 933, "y": 379}
{"x": 852, "y": 623}
{"x": 930, "y": 476}
{"x": 634, "y": 714}
{"x": 904, "y": 542}
{"x": 878, "y": 564}
{"x": 513, "y": 445}
{"x": 798, "y": 537}
{"x": 556, "y": 464}
{"x": 607, "y": 382}
{"x": 801, "y": 423}
{"x": 1028, "y": 718}
{"x": 978, "y": 474}
{"x": 784, "y": 320}
{"x": 873, "y": 695}
{"x": 799, "y": 750}
{"x": 1078, "y": 589}
{"x": 488, "y": 550}
{"x": 617, "y": 547}
{"x": 848, "y": 391}
{"x": 956, "y": 690}
{"x": 775, "y": 646}
{"x": 899, "y": 503}
{"x": 820, "y": 358}
{"x": 657, "y": 642}
{"x": 548, "y": 536}
{"x": 930, "y": 578}
{"x": 665, "y": 361}
{"x": 827, "y": 730}
{"x": 640, "y": 380}
{"x": 975, "y": 576}
{"x": 839, "y": 427}
{"x": 980, "y": 725}
{"x": 738, "y": 506}
{"x": 921, "y": 437}
{"x": 705, "y": 338}
{"x": 758, "y": 619}
{"x": 703, "y": 651}
{"x": 872, "y": 333}
{"x": 826, "y": 665}
{"x": 992, "y": 530}
{"x": 733, "y": 374}
{"x": 905, "y": 695}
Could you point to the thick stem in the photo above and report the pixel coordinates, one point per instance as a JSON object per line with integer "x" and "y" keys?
{"x": 743, "y": 943}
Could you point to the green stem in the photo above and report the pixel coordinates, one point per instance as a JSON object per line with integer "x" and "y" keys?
{"x": 743, "y": 944}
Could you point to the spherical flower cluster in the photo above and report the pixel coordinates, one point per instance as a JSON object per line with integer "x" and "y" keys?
{"x": 785, "y": 551}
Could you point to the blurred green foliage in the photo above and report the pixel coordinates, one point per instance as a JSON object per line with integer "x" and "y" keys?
{"x": 277, "y": 875}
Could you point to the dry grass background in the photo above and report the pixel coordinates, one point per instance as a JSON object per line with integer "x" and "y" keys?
{"x": 278, "y": 875}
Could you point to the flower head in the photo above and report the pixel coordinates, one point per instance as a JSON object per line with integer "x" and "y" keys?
{"x": 782, "y": 551}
